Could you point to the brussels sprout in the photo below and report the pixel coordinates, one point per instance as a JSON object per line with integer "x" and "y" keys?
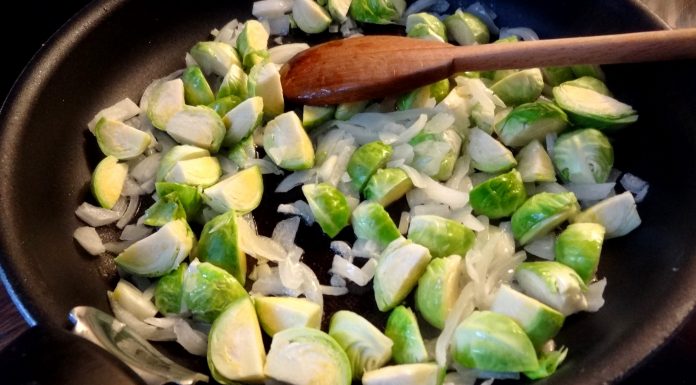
{"x": 169, "y": 292}
{"x": 120, "y": 140}
{"x": 438, "y": 289}
{"x": 252, "y": 43}
{"x": 188, "y": 196}
{"x": 264, "y": 81}
{"x": 554, "y": 284}
{"x": 329, "y": 207}
{"x": 590, "y": 83}
{"x": 436, "y": 154}
{"x": 159, "y": 253}
{"x": 313, "y": 116}
{"x": 200, "y": 126}
{"x": 165, "y": 100}
{"x": 579, "y": 247}
{"x": 548, "y": 363}
{"x": 279, "y": 313}
{"x": 133, "y": 300}
{"x": 196, "y": 88}
{"x": 466, "y": 29}
{"x": 531, "y": 121}
{"x": 310, "y": 16}
{"x": 224, "y": 105}
{"x": 366, "y": 160}
{"x": 286, "y": 142}
{"x": 442, "y": 236}
{"x": 339, "y": 9}
{"x": 235, "y": 347}
{"x": 387, "y": 185}
{"x": 589, "y": 108}
{"x": 219, "y": 245}
{"x": 400, "y": 266}
{"x": 164, "y": 210}
{"x": 419, "y": 97}
{"x": 402, "y": 328}
{"x": 305, "y": 356}
{"x": 408, "y": 374}
{"x": 520, "y": 87}
{"x": 203, "y": 171}
{"x": 617, "y": 214}
{"x": 345, "y": 111}
{"x": 366, "y": 347}
{"x": 499, "y": 196}
{"x": 554, "y": 76}
{"x": 591, "y": 70}
{"x": 541, "y": 213}
{"x": 493, "y": 342}
{"x": 107, "y": 181}
{"x": 540, "y": 322}
{"x": 583, "y": 156}
{"x": 208, "y": 290}
{"x": 487, "y": 154}
{"x": 534, "y": 164}
{"x": 425, "y": 26}
{"x": 175, "y": 154}
{"x": 242, "y": 120}
{"x": 241, "y": 192}
{"x": 370, "y": 221}
{"x": 242, "y": 152}
{"x": 234, "y": 83}
{"x": 215, "y": 57}
{"x": 377, "y": 11}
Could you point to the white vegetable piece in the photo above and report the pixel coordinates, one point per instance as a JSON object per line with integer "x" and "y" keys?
{"x": 487, "y": 154}
{"x": 121, "y": 111}
{"x": 617, "y": 214}
{"x": 286, "y": 142}
{"x": 264, "y": 81}
{"x": 88, "y": 238}
{"x": 165, "y": 100}
{"x": 407, "y": 374}
{"x": 243, "y": 119}
{"x": 200, "y": 126}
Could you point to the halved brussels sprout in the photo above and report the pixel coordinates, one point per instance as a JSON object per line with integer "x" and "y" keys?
{"x": 264, "y": 81}
{"x": 370, "y": 221}
{"x": 487, "y": 154}
{"x": 329, "y": 207}
{"x": 164, "y": 210}
{"x": 425, "y": 26}
{"x": 366, "y": 347}
{"x": 541, "y": 213}
{"x": 438, "y": 289}
{"x": 531, "y": 121}
{"x": 305, "y": 356}
{"x": 400, "y": 266}
{"x": 286, "y": 142}
{"x": 209, "y": 290}
{"x": 203, "y": 171}
{"x": 189, "y": 196}
{"x": 554, "y": 76}
{"x": 534, "y": 164}
{"x": 583, "y": 156}
{"x": 241, "y": 192}
{"x": 387, "y": 185}
{"x": 466, "y": 29}
{"x": 214, "y": 57}
{"x": 579, "y": 246}
{"x": 234, "y": 83}
{"x": 200, "y": 126}
{"x": 366, "y": 160}
{"x": 442, "y": 236}
{"x": 499, "y": 196}
{"x": 219, "y": 245}
{"x": 554, "y": 284}
{"x": 196, "y": 88}
{"x": 402, "y": 328}
{"x": 165, "y": 100}
{"x": 520, "y": 87}
{"x": 590, "y": 83}
{"x": 176, "y": 154}
{"x": 252, "y": 43}
{"x": 279, "y": 313}
{"x": 120, "y": 140}
{"x": 313, "y": 116}
{"x": 617, "y": 214}
{"x": 107, "y": 181}
{"x": 589, "y": 108}
{"x": 377, "y": 11}
{"x": 242, "y": 120}
{"x": 169, "y": 292}
{"x": 345, "y": 111}
{"x": 407, "y": 374}
{"x": 310, "y": 16}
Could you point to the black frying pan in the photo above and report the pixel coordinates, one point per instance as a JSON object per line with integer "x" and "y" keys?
{"x": 115, "y": 48}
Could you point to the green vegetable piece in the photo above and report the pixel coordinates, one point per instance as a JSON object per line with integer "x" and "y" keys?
{"x": 377, "y": 11}
{"x": 286, "y": 142}
{"x": 387, "y": 185}
{"x": 241, "y": 192}
{"x": 438, "y": 289}
{"x": 407, "y": 374}
{"x": 224, "y": 105}
{"x": 203, "y": 171}
{"x": 164, "y": 210}
{"x": 554, "y": 284}
{"x": 176, "y": 154}
{"x": 490, "y": 341}
{"x": 442, "y": 236}
{"x": 579, "y": 247}
{"x": 199, "y": 126}
{"x": 531, "y": 121}
{"x": 589, "y": 108}
{"x": 339, "y": 9}
{"x": 208, "y": 290}
{"x": 242, "y": 120}
{"x": 313, "y": 116}
{"x": 617, "y": 214}
{"x": 219, "y": 245}
{"x": 279, "y": 313}
{"x": 371, "y": 221}
{"x": 242, "y": 152}
{"x": 215, "y": 57}
{"x": 439, "y": 90}
{"x": 417, "y": 98}
{"x": 520, "y": 87}
{"x": 305, "y": 356}
{"x": 196, "y": 88}
{"x": 540, "y": 322}
{"x": 252, "y": 43}
{"x": 554, "y": 76}
{"x": 345, "y": 111}
{"x": 188, "y": 196}
{"x": 169, "y": 292}
{"x": 436, "y": 154}
{"x": 534, "y": 163}
{"x": 402, "y": 328}
{"x": 159, "y": 253}
{"x": 541, "y": 213}
{"x": 165, "y": 100}
{"x": 548, "y": 363}
{"x": 466, "y": 29}
{"x": 235, "y": 346}
{"x": 264, "y": 81}
{"x": 329, "y": 207}
{"x": 400, "y": 266}
{"x": 310, "y": 16}
{"x": 592, "y": 70}
{"x": 107, "y": 181}
{"x": 590, "y": 83}
{"x": 234, "y": 83}
{"x": 499, "y": 196}
{"x": 366, "y": 347}
{"x": 120, "y": 140}
{"x": 423, "y": 25}
{"x": 487, "y": 154}
{"x": 366, "y": 160}
{"x": 583, "y": 156}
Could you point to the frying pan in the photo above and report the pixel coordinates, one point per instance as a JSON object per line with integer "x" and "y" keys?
{"x": 114, "y": 48}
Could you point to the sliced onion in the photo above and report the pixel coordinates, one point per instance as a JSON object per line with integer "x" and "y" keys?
{"x": 418, "y": 6}
{"x": 133, "y": 203}
{"x": 285, "y": 231}
{"x": 349, "y": 271}
{"x": 135, "y": 233}
{"x": 365, "y": 249}
{"x": 96, "y": 216}
{"x": 337, "y": 281}
{"x": 89, "y": 239}
{"x": 282, "y": 53}
{"x": 333, "y": 290}
{"x": 192, "y": 340}
{"x": 404, "y": 222}
{"x": 486, "y": 15}
{"x": 431, "y": 209}
{"x": 117, "y": 247}
{"x": 123, "y": 110}
{"x": 131, "y": 188}
{"x": 542, "y": 247}
{"x": 635, "y": 185}
{"x": 120, "y": 206}
{"x": 461, "y": 309}
{"x": 146, "y": 169}
{"x": 419, "y": 180}
{"x": 300, "y": 208}
{"x": 590, "y": 191}
{"x": 143, "y": 329}
{"x": 524, "y": 33}
{"x": 271, "y": 8}
{"x": 133, "y": 300}
{"x": 311, "y": 287}
{"x": 295, "y": 179}
{"x": 595, "y": 295}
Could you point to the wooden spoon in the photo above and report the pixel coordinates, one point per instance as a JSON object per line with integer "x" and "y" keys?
{"x": 370, "y": 67}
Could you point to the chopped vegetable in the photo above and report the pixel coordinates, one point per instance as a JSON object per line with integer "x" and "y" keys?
{"x": 367, "y": 348}
{"x": 400, "y": 266}
{"x": 583, "y": 156}
{"x": 442, "y": 236}
{"x": 120, "y": 140}
{"x": 499, "y": 196}
{"x": 241, "y": 192}
{"x": 107, "y": 181}
{"x": 219, "y": 244}
{"x": 438, "y": 289}
{"x": 287, "y": 143}
{"x": 541, "y": 213}
{"x": 279, "y": 313}
{"x": 371, "y": 222}
{"x": 579, "y": 247}
{"x": 329, "y": 207}
{"x": 209, "y": 290}
{"x": 402, "y": 328}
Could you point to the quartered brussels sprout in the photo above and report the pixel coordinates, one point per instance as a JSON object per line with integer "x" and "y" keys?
{"x": 164, "y": 210}
{"x": 531, "y": 121}
{"x": 377, "y": 11}
{"x": 203, "y": 171}
{"x": 438, "y": 289}
{"x": 305, "y": 356}
{"x": 366, "y": 347}
{"x": 264, "y": 81}
{"x": 240, "y": 153}
{"x": 219, "y": 245}
{"x": 402, "y": 328}
{"x": 419, "y": 98}
{"x": 313, "y": 116}
{"x": 214, "y": 57}
{"x": 224, "y": 105}
{"x": 120, "y": 140}
{"x": 617, "y": 214}
{"x": 366, "y": 160}
{"x": 579, "y": 247}
{"x": 329, "y": 207}
{"x": 387, "y": 185}
{"x": 487, "y": 154}
{"x": 188, "y": 196}
{"x": 499, "y": 196}
{"x": 235, "y": 346}
{"x": 242, "y": 120}
{"x": 425, "y": 26}
{"x": 583, "y": 156}
{"x": 107, "y": 181}
{"x": 345, "y": 111}
{"x": 169, "y": 292}
{"x": 554, "y": 284}
{"x": 524, "y": 86}
{"x": 466, "y": 29}
{"x": 339, "y": 9}
{"x": 310, "y": 16}
{"x": 590, "y": 83}
{"x": 407, "y": 374}
{"x": 534, "y": 163}
{"x": 286, "y": 142}
{"x": 541, "y": 213}
{"x": 400, "y": 266}
{"x": 442, "y": 236}
{"x": 196, "y": 88}
{"x": 209, "y": 290}
{"x": 241, "y": 192}
{"x": 165, "y": 100}
{"x": 554, "y": 76}
{"x": 370, "y": 221}
{"x": 589, "y": 108}
{"x": 252, "y": 43}
{"x": 539, "y": 321}
{"x": 279, "y": 313}
{"x": 176, "y": 154}
{"x": 200, "y": 126}
{"x": 159, "y": 253}
{"x": 493, "y": 342}
{"x": 234, "y": 83}
{"x": 436, "y": 154}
